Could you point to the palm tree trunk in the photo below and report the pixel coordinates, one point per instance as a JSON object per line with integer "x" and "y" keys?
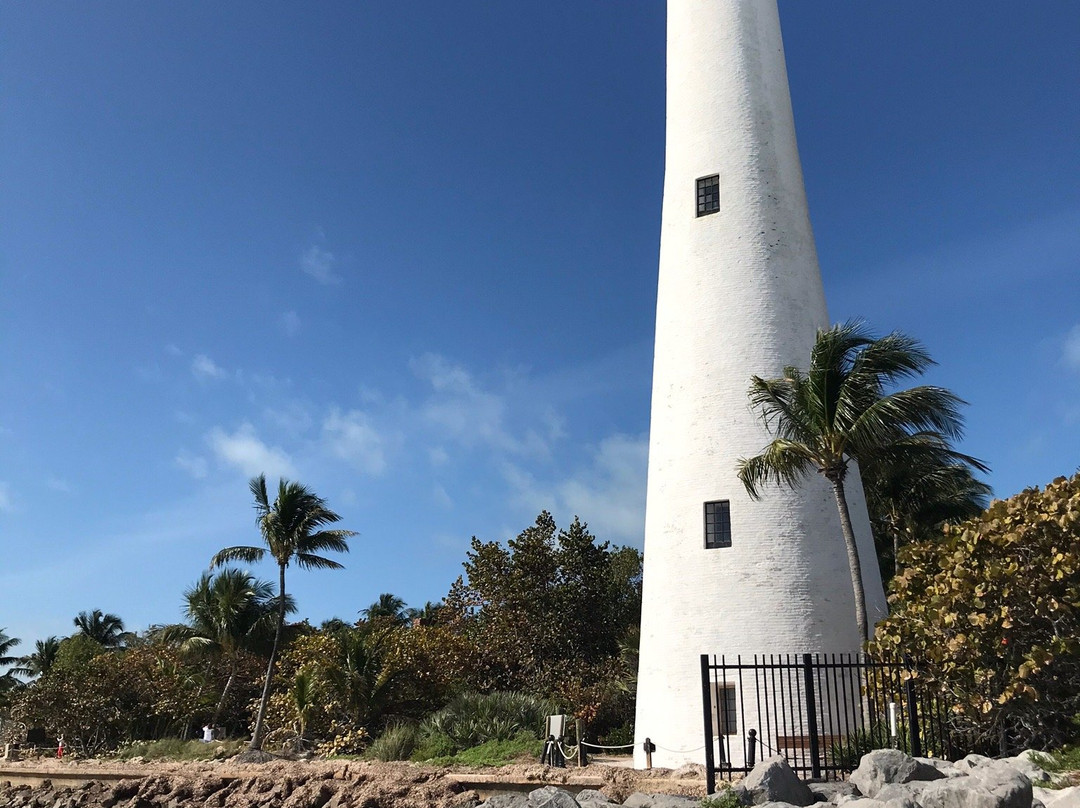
{"x": 256, "y": 735}
{"x": 224, "y": 695}
{"x": 853, "y": 559}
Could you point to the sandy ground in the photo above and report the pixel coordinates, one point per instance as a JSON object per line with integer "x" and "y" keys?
{"x": 362, "y": 783}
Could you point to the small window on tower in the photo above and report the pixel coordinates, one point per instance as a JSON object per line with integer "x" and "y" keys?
{"x": 717, "y": 524}
{"x": 708, "y": 195}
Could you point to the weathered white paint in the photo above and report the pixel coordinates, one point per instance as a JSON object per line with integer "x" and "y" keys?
{"x": 739, "y": 294}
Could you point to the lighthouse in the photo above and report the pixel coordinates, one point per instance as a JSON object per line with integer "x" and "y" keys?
{"x": 739, "y": 294}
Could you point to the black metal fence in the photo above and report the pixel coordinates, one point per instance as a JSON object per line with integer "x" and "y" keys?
{"x": 822, "y": 712}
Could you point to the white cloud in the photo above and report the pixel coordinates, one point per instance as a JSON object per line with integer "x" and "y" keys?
{"x": 462, "y": 411}
{"x": 440, "y": 497}
{"x": 608, "y": 491}
{"x": 1070, "y": 354}
{"x": 204, "y": 368}
{"x": 290, "y": 323}
{"x": 5, "y": 498}
{"x": 319, "y": 264}
{"x": 245, "y": 451}
{"x": 193, "y": 464}
{"x": 173, "y": 350}
{"x": 351, "y": 437}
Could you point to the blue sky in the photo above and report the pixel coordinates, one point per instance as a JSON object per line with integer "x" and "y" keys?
{"x": 406, "y": 253}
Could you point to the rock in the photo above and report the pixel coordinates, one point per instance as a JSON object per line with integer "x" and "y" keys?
{"x": 831, "y": 790}
{"x": 947, "y": 768}
{"x": 587, "y": 795}
{"x": 551, "y": 797}
{"x": 772, "y": 780}
{"x": 641, "y": 800}
{"x": 993, "y": 785}
{"x": 1028, "y": 762}
{"x": 974, "y": 761}
{"x": 1058, "y": 797}
{"x": 883, "y": 767}
{"x": 509, "y": 800}
{"x": 689, "y": 771}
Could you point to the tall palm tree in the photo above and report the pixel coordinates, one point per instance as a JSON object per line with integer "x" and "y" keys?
{"x": 913, "y": 490}
{"x": 227, "y": 613}
{"x": 389, "y": 608}
{"x": 292, "y": 527}
{"x": 840, "y": 411}
{"x": 107, "y": 629}
{"x": 39, "y": 662}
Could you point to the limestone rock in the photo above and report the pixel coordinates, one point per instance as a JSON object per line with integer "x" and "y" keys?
{"x": 831, "y": 790}
{"x": 551, "y": 797}
{"x": 509, "y": 800}
{"x": 884, "y": 767}
{"x": 772, "y": 780}
{"x": 993, "y": 785}
{"x": 642, "y": 800}
{"x": 1058, "y": 797}
{"x": 1027, "y": 762}
{"x": 591, "y": 795}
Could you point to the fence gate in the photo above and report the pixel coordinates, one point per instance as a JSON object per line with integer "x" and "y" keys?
{"x": 822, "y": 712}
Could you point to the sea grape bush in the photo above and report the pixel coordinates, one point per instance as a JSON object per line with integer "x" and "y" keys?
{"x": 992, "y": 612}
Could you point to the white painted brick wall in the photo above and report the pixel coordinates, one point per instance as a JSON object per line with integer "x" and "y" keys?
{"x": 739, "y": 293}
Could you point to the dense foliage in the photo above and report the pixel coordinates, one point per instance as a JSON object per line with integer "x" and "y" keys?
{"x": 546, "y": 613}
{"x": 993, "y": 610}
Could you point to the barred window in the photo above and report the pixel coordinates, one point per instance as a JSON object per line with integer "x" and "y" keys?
{"x": 717, "y": 524}
{"x": 723, "y": 709}
{"x": 708, "y": 195}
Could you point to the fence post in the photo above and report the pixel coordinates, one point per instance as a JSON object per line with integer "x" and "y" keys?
{"x": 811, "y": 715}
{"x": 751, "y": 752}
{"x": 914, "y": 741}
{"x": 706, "y": 708}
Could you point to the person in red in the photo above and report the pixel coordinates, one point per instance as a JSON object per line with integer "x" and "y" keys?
{"x": 60, "y": 747}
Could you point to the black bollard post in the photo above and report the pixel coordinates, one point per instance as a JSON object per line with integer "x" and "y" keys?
{"x": 751, "y": 747}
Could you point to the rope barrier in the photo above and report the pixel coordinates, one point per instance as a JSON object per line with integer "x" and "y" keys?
{"x": 598, "y": 746}
{"x": 567, "y": 755}
{"x": 678, "y": 751}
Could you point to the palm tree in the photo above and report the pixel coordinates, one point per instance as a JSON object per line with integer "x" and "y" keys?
{"x": 107, "y": 629}
{"x": 39, "y": 662}
{"x": 389, "y": 608}
{"x": 914, "y": 489}
{"x": 227, "y": 613}
{"x": 6, "y": 644}
{"x": 292, "y": 528}
{"x": 840, "y": 411}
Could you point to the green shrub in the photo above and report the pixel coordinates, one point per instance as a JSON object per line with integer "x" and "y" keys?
{"x": 397, "y": 743}
{"x": 433, "y": 745}
{"x": 496, "y": 753}
{"x": 472, "y": 719}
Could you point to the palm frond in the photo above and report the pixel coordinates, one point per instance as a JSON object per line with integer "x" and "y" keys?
{"x": 781, "y": 462}
{"x": 248, "y": 555}
{"x": 311, "y": 561}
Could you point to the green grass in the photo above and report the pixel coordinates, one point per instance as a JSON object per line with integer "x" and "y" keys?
{"x": 495, "y": 753}
{"x": 724, "y": 798}
{"x": 1060, "y": 761}
{"x": 176, "y": 749}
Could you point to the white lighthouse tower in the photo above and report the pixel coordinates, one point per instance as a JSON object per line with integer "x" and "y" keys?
{"x": 739, "y": 294}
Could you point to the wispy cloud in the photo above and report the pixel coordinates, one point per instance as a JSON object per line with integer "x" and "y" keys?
{"x": 319, "y": 264}
{"x": 1070, "y": 353}
{"x": 290, "y": 323}
{"x": 608, "y": 490}
{"x": 194, "y": 465}
{"x": 5, "y": 498}
{"x": 351, "y": 437}
{"x": 461, "y": 410}
{"x": 204, "y": 368}
{"x": 243, "y": 450}
{"x": 58, "y": 484}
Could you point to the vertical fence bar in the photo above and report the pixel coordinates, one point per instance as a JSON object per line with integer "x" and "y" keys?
{"x": 706, "y": 699}
{"x": 811, "y": 715}
{"x": 741, "y": 726}
{"x": 913, "y": 714}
